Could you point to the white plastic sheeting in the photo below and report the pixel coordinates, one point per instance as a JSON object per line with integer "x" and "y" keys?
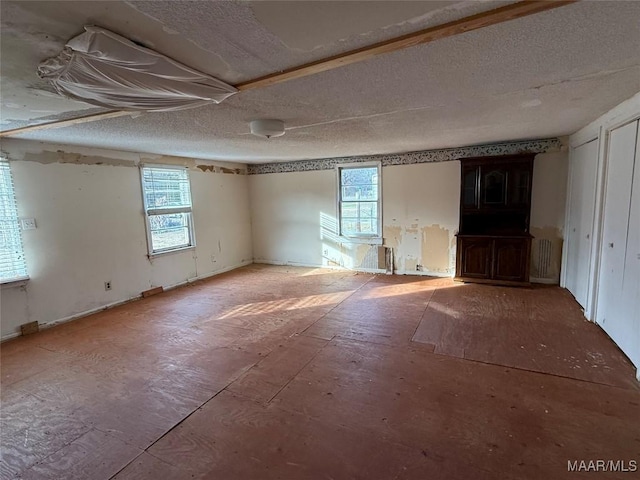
{"x": 105, "y": 69}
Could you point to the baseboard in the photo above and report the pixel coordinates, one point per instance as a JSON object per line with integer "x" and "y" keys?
{"x": 310, "y": 265}
{"x": 208, "y": 275}
{"x": 545, "y": 281}
{"x": 365, "y": 270}
{"x": 424, "y": 273}
{"x": 60, "y": 321}
{"x": 86, "y": 313}
{"x": 9, "y": 336}
{"x": 379, "y": 271}
{"x": 295, "y": 264}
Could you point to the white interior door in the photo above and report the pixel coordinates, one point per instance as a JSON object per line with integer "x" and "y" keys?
{"x": 614, "y": 310}
{"x": 631, "y": 275}
{"x": 584, "y": 165}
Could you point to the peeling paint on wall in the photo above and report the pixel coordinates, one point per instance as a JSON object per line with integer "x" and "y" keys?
{"x": 430, "y": 247}
{"x": 51, "y": 154}
{"x": 169, "y": 160}
{"x": 392, "y": 236}
{"x": 47, "y": 157}
{"x": 235, "y": 171}
{"x": 216, "y": 169}
{"x": 410, "y": 265}
{"x": 435, "y": 249}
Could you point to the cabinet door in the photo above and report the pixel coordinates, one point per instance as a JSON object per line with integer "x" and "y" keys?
{"x": 519, "y": 187}
{"x": 470, "y": 187}
{"x": 474, "y": 257}
{"x": 510, "y": 257}
{"x": 493, "y": 187}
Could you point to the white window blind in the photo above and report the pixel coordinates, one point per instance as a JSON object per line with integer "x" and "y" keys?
{"x": 12, "y": 262}
{"x": 167, "y": 203}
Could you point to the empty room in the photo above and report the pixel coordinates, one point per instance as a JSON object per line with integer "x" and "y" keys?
{"x": 319, "y": 240}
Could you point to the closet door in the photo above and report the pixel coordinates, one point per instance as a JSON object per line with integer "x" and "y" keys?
{"x": 631, "y": 276}
{"x": 615, "y": 289}
{"x": 584, "y": 165}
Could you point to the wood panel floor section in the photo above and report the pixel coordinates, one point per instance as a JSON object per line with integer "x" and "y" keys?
{"x": 297, "y": 373}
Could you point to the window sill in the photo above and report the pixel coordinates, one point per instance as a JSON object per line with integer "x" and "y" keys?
{"x": 14, "y": 283}
{"x": 168, "y": 252}
{"x": 362, "y": 240}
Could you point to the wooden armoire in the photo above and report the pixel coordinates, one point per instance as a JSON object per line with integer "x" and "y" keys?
{"x": 494, "y": 244}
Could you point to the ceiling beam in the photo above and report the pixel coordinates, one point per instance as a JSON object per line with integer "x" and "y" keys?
{"x": 457, "y": 27}
{"x": 467, "y": 24}
{"x": 66, "y": 123}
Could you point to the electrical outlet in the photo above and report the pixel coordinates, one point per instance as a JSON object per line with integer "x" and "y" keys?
{"x": 107, "y": 285}
{"x": 28, "y": 223}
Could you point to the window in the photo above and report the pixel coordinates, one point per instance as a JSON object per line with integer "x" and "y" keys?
{"x": 359, "y": 200}
{"x": 12, "y": 263}
{"x": 167, "y": 204}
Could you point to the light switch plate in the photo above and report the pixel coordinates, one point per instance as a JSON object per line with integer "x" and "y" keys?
{"x": 28, "y": 223}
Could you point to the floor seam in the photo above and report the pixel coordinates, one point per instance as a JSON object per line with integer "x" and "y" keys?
{"x": 129, "y": 463}
{"x": 64, "y": 445}
{"x": 423, "y": 313}
{"x": 183, "y": 420}
{"x": 298, "y": 372}
{"x": 250, "y": 368}
{"x": 520, "y": 369}
{"x": 373, "y": 277}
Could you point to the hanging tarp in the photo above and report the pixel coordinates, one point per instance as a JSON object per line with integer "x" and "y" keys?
{"x": 105, "y": 69}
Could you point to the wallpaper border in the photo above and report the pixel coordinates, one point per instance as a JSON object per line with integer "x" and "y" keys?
{"x": 410, "y": 158}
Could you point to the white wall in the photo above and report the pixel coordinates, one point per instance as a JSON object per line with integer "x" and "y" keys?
{"x": 294, "y": 216}
{"x": 548, "y": 199}
{"x": 286, "y": 214}
{"x": 91, "y": 229}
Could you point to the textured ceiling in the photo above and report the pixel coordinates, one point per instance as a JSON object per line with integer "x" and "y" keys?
{"x": 544, "y": 75}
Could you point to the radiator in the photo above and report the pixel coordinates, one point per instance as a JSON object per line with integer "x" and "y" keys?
{"x": 543, "y": 257}
{"x": 378, "y": 258}
{"x": 545, "y": 260}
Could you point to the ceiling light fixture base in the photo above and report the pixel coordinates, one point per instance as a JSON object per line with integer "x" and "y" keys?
{"x": 267, "y": 128}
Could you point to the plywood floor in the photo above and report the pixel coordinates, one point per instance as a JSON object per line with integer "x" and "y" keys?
{"x": 292, "y": 373}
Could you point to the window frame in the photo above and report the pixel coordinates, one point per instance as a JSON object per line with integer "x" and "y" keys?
{"x": 149, "y": 212}
{"x": 20, "y": 280}
{"x": 372, "y": 239}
